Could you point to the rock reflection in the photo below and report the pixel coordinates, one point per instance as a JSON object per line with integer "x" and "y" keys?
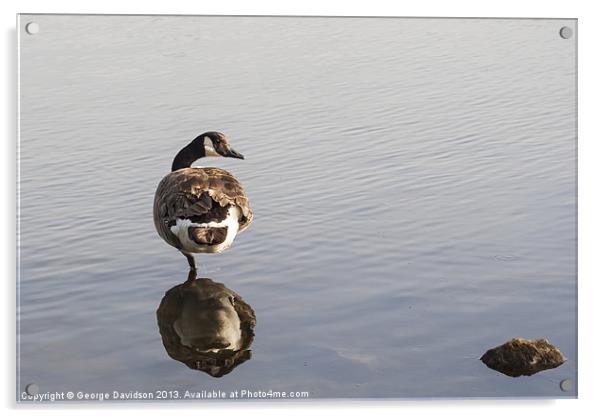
{"x": 206, "y": 326}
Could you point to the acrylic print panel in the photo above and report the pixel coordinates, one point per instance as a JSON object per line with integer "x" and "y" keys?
{"x": 406, "y": 202}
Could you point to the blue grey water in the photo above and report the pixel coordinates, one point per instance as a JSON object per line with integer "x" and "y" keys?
{"x": 413, "y": 183}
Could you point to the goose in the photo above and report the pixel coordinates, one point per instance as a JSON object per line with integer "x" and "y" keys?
{"x": 201, "y": 209}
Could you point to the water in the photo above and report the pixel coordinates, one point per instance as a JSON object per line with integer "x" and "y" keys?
{"x": 413, "y": 183}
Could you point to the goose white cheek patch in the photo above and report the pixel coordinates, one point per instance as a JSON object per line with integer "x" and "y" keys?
{"x": 210, "y": 149}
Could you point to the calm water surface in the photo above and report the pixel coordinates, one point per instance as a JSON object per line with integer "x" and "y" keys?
{"x": 413, "y": 183}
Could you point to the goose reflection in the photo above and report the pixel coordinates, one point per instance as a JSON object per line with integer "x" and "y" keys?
{"x": 206, "y": 326}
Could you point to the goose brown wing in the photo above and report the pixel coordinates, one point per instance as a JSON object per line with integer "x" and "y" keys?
{"x": 194, "y": 192}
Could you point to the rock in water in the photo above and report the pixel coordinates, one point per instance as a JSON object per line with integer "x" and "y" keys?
{"x": 521, "y": 357}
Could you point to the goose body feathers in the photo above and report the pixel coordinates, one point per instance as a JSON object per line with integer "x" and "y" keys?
{"x": 200, "y": 209}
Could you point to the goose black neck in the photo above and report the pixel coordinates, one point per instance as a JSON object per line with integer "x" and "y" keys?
{"x": 187, "y": 155}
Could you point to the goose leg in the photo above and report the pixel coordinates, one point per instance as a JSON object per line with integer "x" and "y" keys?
{"x": 191, "y": 262}
{"x": 191, "y": 277}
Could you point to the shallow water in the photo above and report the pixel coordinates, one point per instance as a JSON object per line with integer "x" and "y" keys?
{"x": 413, "y": 183}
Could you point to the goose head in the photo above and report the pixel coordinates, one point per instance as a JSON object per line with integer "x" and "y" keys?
{"x": 208, "y": 144}
{"x": 216, "y": 144}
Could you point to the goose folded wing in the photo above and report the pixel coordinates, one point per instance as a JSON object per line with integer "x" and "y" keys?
{"x": 199, "y": 209}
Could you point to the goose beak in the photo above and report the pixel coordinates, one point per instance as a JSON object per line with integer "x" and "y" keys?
{"x": 233, "y": 154}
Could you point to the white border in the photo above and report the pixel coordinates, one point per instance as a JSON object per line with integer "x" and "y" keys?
{"x": 590, "y": 184}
